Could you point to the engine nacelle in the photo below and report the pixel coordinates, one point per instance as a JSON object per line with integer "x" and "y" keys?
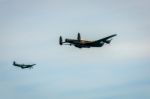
{"x": 108, "y": 41}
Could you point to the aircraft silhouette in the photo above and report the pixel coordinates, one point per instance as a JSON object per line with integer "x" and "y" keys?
{"x": 23, "y": 66}
{"x": 84, "y": 43}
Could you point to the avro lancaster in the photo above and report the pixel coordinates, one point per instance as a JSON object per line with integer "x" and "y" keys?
{"x": 86, "y": 44}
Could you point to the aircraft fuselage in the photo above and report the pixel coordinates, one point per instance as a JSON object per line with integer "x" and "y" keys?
{"x": 83, "y": 43}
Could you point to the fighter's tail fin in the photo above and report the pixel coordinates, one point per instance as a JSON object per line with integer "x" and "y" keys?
{"x": 14, "y": 62}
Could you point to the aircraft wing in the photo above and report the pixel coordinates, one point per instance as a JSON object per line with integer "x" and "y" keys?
{"x": 104, "y": 39}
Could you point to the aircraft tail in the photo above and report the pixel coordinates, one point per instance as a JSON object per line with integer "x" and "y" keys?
{"x": 14, "y": 63}
{"x": 60, "y": 40}
{"x": 79, "y": 37}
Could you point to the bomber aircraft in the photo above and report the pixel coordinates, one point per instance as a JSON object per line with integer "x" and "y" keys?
{"x": 84, "y": 43}
{"x": 23, "y": 66}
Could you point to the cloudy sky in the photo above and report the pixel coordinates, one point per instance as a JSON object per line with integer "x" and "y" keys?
{"x": 29, "y": 32}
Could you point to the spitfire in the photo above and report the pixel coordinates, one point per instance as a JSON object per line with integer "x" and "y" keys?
{"x": 23, "y": 66}
{"x": 84, "y": 43}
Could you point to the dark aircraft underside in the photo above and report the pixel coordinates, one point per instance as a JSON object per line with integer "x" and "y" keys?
{"x": 88, "y": 45}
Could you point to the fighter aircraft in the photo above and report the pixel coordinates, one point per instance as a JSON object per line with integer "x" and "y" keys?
{"x": 84, "y": 43}
{"x": 23, "y": 66}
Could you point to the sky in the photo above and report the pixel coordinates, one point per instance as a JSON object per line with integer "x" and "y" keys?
{"x": 29, "y": 33}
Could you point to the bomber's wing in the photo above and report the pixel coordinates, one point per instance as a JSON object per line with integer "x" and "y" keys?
{"x": 104, "y": 39}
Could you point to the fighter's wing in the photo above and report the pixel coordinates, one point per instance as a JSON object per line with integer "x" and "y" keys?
{"x": 30, "y": 66}
{"x": 33, "y": 64}
{"x": 104, "y": 39}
